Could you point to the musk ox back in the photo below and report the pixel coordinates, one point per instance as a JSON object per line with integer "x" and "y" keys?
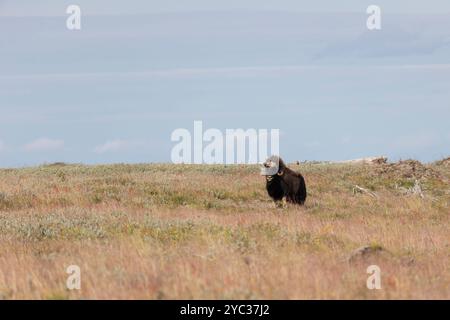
{"x": 282, "y": 182}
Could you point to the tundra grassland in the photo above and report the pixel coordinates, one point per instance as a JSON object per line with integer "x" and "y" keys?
{"x": 164, "y": 231}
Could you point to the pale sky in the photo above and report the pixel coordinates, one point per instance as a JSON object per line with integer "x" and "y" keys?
{"x": 115, "y": 90}
{"x": 53, "y": 7}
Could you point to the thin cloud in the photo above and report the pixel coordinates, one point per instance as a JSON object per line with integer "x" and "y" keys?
{"x": 2, "y": 145}
{"x": 117, "y": 145}
{"x": 44, "y": 144}
{"x": 250, "y": 71}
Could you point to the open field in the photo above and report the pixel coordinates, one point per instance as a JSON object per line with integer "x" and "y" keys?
{"x": 187, "y": 232}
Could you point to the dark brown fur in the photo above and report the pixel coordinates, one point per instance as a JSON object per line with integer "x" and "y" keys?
{"x": 285, "y": 183}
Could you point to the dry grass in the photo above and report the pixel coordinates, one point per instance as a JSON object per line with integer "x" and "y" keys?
{"x": 207, "y": 232}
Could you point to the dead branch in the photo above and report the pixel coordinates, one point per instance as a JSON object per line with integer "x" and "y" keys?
{"x": 364, "y": 190}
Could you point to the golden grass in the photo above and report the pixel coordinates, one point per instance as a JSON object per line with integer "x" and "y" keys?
{"x": 211, "y": 232}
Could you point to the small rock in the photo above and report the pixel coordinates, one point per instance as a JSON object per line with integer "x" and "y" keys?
{"x": 365, "y": 252}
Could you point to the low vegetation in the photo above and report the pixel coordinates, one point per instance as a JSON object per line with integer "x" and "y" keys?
{"x": 161, "y": 231}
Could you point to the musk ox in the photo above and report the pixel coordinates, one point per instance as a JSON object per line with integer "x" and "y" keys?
{"x": 283, "y": 182}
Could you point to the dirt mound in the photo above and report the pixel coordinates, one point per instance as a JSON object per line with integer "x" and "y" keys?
{"x": 444, "y": 162}
{"x": 368, "y": 252}
{"x": 407, "y": 169}
{"x": 375, "y": 254}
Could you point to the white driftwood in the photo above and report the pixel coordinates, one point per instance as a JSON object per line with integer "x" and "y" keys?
{"x": 367, "y": 160}
{"x": 415, "y": 190}
{"x": 361, "y": 189}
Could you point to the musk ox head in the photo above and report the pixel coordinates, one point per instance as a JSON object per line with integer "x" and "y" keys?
{"x": 272, "y": 166}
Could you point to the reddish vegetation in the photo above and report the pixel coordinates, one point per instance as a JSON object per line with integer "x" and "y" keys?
{"x": 180, "y": 231}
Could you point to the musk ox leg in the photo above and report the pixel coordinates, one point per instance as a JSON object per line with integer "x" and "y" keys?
{"x": 290, "y": 199}
{"x": 301, "y": 192}
{"x": 278, "y": 204}
{"x": 281, "y": 204}
{"x": 295, "y": 200}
